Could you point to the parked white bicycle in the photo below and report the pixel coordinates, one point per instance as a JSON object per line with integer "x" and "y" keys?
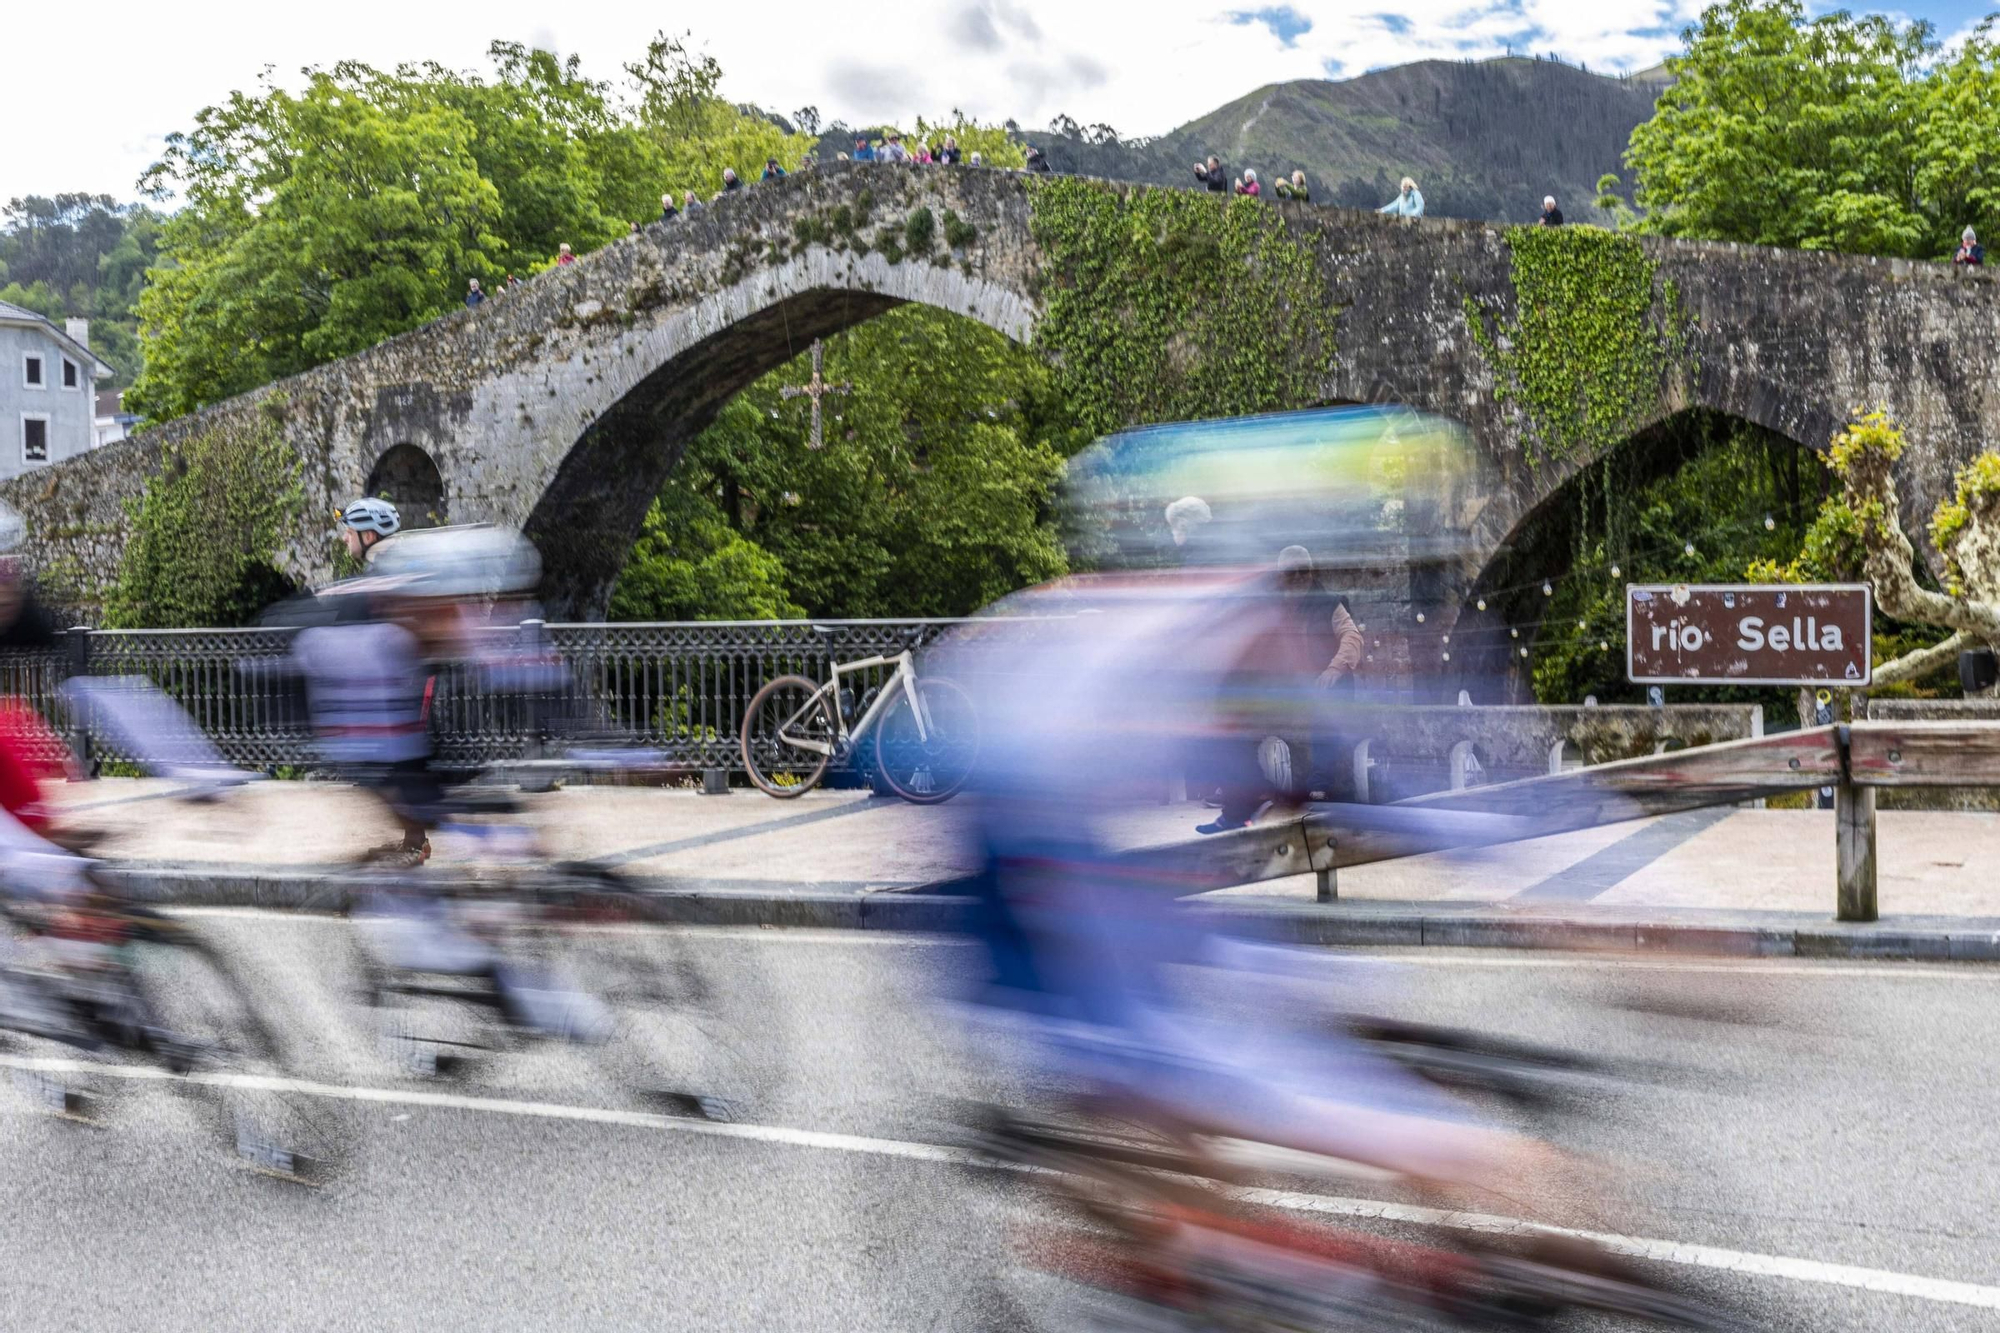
{"x": 926, "y": 735}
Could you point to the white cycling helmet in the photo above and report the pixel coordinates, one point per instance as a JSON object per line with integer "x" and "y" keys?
{"x": 371, "y": 515}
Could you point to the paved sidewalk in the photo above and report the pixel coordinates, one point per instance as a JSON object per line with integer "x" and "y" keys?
{"x": 1762, "y": 876}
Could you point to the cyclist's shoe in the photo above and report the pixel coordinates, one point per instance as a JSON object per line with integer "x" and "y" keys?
{"x": 397, "y": 855}
{"x": 1219, "y": 825}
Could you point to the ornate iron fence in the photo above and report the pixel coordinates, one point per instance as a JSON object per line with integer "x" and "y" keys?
{"x": 680, "y": 688}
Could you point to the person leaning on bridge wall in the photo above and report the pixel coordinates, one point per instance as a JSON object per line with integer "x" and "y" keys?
{"x": 1970, "y": 251}
{"x": 564, "y": 256}
{"x": 730, "y": 182}
{"x": 1551, "y": 215}
{"x": 1212, "y": 174}
{"x": 1247, "y": 183}
{"x": 1295, "y": 188}
{"x": 667, "y": 210}
{"x": 473, "y": 296}
{"x": 1408, "y": 203}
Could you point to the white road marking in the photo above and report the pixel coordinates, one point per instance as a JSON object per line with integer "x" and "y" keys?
{"x": 1743, "y": 1262}
{"x": 1832, "y": 967}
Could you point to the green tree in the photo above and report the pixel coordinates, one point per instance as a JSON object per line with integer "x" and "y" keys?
{"x": 319, "y": 222}
{"x": 1840, "y": 132}
{"x": 689, "y": 564}
{"x": 931, "y": 496}
{"x": 85, "y": 256}
{"x": 206, "y": 529}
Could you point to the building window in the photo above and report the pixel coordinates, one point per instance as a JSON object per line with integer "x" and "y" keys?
{"x": 70, "y": 377}
{"x": 34, "y": 439}
{"x": 31, "y": 373}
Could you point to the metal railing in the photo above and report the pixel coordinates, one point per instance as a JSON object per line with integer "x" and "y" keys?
{"x": 680, "y": 688}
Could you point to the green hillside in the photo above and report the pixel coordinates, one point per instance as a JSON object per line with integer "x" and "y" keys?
{"x": 1483, "y": 140}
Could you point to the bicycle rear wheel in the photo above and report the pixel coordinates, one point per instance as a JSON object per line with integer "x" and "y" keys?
{"x": 931, "y": 767}
{"x": 209, "y": 1023}
{"x": 788, "y": 737}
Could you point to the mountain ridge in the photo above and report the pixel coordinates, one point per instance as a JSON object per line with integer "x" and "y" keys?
{"x": 1483, "y": 139}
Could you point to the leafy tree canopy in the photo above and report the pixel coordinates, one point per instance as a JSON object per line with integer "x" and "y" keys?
{"x": 931, "y": 496}
{"x": 318, "y": 222}
{"x": 83, "y": 256}
{"x": 1844, "y": 132}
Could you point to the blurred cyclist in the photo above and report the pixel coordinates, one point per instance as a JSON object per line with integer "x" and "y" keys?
{"x": 367, "y": 686}
{"x": 1087, "y": 948}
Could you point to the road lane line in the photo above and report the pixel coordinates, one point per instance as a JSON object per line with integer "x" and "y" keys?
{"x": 1746, "y": 1263}
{"x": 1942, "y": 1290}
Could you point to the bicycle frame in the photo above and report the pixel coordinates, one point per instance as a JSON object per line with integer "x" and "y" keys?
{"x": 904, "y": 677}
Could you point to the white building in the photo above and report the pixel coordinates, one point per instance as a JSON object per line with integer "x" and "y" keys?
{"x": 48, "y": 390}
{"x": 113, "y": 423}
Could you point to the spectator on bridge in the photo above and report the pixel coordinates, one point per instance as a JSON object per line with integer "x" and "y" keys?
{"x": 976, "y": 160}
{"x": 729, "y": 181}
{"x": 862, "y": 151}
{"x": 635, "y": 229}
{"x": 564, "y": 256}
{"x": 473, "y": 296}
{"x": 1036, "y": 161}
{"x": 809, "y": 162}
{"x": 1212, "y": 175}
{"x": 1970, "y": 251}
{"x": 667, "y": 210}
{"x": 692, "y": 205}
{"x": 1408, "y": 203}
{"x": 1551, "y": 215}
{"x": 1247, "y": 183}
{"x": 949, "y": 155}
{"x": 893, "y": 150}
{"x": 510, "y": 284}
{"x": 1295, "y": 188}
{"x": 772, "y": 171}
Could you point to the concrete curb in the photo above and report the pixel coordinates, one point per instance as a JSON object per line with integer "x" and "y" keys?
{"x": 1351, "y": 924}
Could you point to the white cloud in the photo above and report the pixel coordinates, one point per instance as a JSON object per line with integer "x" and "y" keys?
{"x": 89, "y": 111}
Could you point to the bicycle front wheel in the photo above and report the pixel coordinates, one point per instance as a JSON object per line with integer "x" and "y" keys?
{"x": 788, "y": 737}
{"x": 928, "y": 765}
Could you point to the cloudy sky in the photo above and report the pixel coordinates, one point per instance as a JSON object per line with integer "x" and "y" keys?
{"x": 89, "y": 93}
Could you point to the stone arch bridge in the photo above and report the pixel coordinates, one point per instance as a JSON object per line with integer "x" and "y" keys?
{"x": 561, "y": 407}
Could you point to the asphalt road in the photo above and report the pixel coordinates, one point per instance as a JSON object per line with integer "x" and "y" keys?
{"x": 1831, "y": 1113}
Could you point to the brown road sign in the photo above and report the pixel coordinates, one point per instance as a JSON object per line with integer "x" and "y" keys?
{"x": 1748, "y": 634}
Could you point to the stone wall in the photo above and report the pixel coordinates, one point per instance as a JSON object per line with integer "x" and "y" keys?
{"x": 562, "y": 407}
{"x": 1415, "y": 750}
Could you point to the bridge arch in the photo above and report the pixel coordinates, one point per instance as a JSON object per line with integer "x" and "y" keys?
{"x": 1503, "y": 608}
{"x": 408, "y": 477}
{"x": 593, "y": 498}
